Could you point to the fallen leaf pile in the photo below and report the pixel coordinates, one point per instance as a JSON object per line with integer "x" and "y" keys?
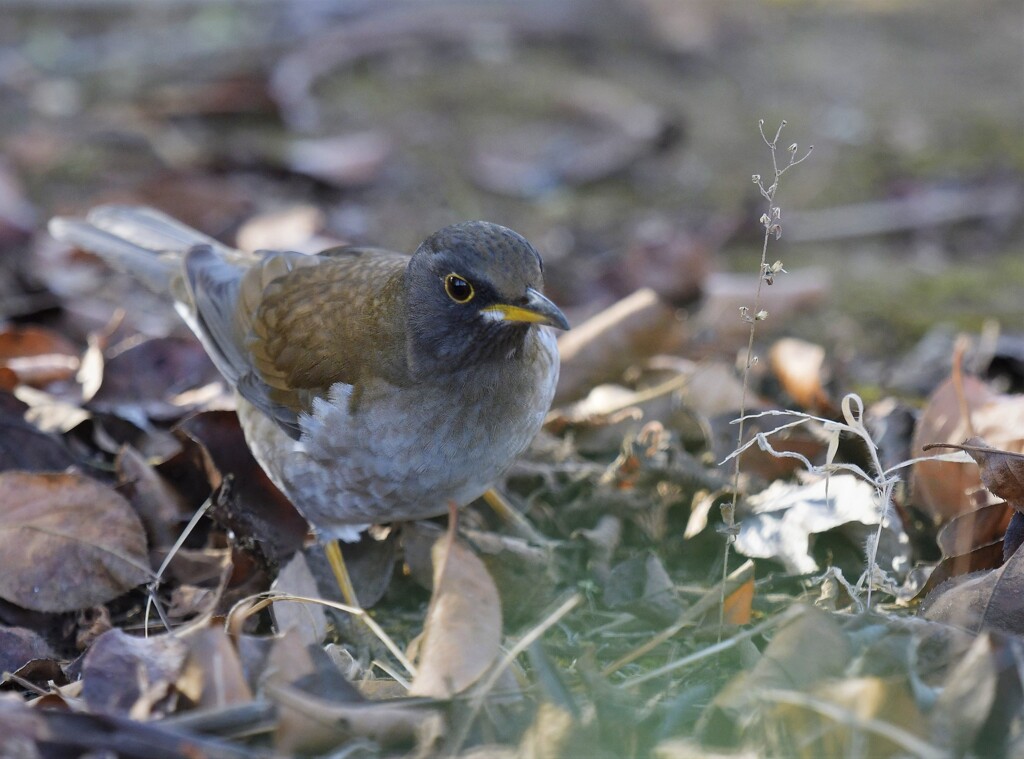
{"x": 160, "y": 598}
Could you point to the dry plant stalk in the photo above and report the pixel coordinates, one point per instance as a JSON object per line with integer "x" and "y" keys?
{"x": 771, "y": 220}
{"x": 883, "y": 480}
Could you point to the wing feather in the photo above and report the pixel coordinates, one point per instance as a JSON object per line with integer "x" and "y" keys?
{"x": 286, "y": 328}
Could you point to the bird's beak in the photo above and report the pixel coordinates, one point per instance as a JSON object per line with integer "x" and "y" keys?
{"x": 536, "y": 310}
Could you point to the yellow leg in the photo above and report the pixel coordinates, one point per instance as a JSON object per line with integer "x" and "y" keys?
{"x": 508, "y": 513}
{"x": 334, "y": 558}
{"x": 453, "y": 524}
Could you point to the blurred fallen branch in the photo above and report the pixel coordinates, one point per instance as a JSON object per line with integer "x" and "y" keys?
{"x": 725, "y": 293}
{"x": 606, "y": 344}
{"x": 74, "y": 734}
{"x": 928, "y": 208}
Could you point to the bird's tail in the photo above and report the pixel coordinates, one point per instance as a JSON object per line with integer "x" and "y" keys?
{"x": 140, "y": 241}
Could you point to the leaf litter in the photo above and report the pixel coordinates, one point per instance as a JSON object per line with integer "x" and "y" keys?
{"x": 611, "y": 490}
{"x": 159, "y": 597}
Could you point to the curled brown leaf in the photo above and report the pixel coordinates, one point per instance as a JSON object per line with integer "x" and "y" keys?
{"x": 462, "y": 634}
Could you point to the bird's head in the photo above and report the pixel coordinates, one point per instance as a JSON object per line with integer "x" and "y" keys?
{"x": 473, "y": 292}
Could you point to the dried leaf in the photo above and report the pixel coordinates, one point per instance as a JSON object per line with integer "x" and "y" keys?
{"x": 38, "y": 356}
{"x": 67, "y": 542}
{"x": 974, "y": 529}
{"x": 260, "y": 511}
{"x": 980, "y": 691}
{"x": 805, "y": 730}
{"x": 525, "y": 575}
{"x": 310, "y": 724}
{"x": 1002, "y": 472}
{"x": 739, "y": 604}
{"x": 159, "y": 505}
{"x": 970, "y": 542}
{"x": 985, "y": 557}
{"x": 287, "y": 229}
{"x": 24, "y": 446}
{"x": 942, "y": 488}
{"x": 131, "y": 676}
{"x": 305, "y": 684}
{"x": 18, "y": 646}
{"x": 151, "y": 378}
{"x": 50, "y": 413}
{"x": 242, "y": 94}
{"x": 800, "y": 368}
{"x": 669, "y": 257}
{"x": 713, "y": 389}
{"x": 462, "y": 634}
{"x": 309, "y": 621}
{"x": 808, "y": 650}
{"x": 1014, "y": 537}
{"x": 778, "y": 522}
{"x": 418, "y": 539}
{"x": 641, "y": 586}
{"x": 200, "y": 578}
{"x": 555, "y": 732}
{"x": 21, "y": 727}
{"x": 370, "y": 563}
{"x": 599, "y": 422}
{"x": 63, "y": 733}
{"x": 212, "y": 675}
{"x": 982, "y": 600}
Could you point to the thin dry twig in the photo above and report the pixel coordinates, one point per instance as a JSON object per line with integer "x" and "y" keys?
{"x": 788, "y": 616}
{"x": 884, "y": 480}
{"x": 771, "y": 220}
{"x": 152, "y": 601}
{"x": 253, "y": 604}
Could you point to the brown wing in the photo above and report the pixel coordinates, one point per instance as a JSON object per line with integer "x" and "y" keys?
{"x": 336, "y": 317}
{"x": 286, "y": 327}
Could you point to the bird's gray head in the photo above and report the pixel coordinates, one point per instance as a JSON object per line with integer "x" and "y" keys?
{"x": 473, "y": 291}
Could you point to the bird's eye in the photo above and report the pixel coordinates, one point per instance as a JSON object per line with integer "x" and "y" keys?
{"x": 458, "y": 289}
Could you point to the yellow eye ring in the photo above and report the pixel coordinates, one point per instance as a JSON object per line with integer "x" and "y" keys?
{"x": 458, "y": 288}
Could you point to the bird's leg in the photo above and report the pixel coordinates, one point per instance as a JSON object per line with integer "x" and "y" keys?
{"x": 510, "y": 515}
{"x": 348, "y": 592}
{"x": 453, "y": 524}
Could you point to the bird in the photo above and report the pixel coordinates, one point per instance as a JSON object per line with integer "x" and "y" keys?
{"x": 371, "y": 386}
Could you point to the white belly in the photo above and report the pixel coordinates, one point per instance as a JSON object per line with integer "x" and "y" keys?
{"x": 404, "y": 453}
